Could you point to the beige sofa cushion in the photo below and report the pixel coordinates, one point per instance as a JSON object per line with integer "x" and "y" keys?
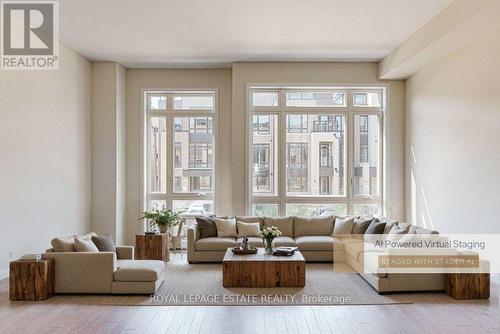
{"x": 63, "y": 244}
{"x": 67, "y": 244}
{"x": 284, "y": 224}
{"x": 85, "y": 245}
{"x": 248, "y": 229}
{"x": 316, "y": 243}
{"x": 343, "y": 226}
{"x": 398, "y": 230}
{"x": 389, "y": 223}
{"x": 355, "y": 248}
{"x": 138, "y": 270}
{"x": 284, "y": 241}
{"x": 251, "y": 219}
{"x": 303, "y": 226}
{"x": 214, "y": 244}
{"x": 226, "y": 227}
{"x": 88, "y": 236}
{"x": 421, "y": 230}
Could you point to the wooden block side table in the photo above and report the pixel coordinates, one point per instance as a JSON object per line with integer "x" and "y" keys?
{"x": 469, "y": 285}
{"x": 152, "y": 247}
{"x": 31, "y": 280}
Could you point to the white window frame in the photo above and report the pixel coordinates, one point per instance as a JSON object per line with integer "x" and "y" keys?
{"x": 169, "y": 114}
{"x": 348, "y": 111}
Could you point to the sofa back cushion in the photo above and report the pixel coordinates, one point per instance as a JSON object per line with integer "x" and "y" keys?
{"x": 226, "y": 228}
{"x": 63, "y": 244}
{"x": 206, "y": 227}
{"x": 389, "y": 223}
{"x": 421, "y": 230}
{"x": 104, "y": 243}
{"x": 360, "y": 226}
{"x": 251, "y": 219}
{"x": 343, "y": 226}
{"x": 247, "y": 229}
{"x": 85, "y": 245}
{"x": 374, "y": 231}
{"x": 398, "y": 230}
{"x": 315, "y": 226}
{"x": 284, "y": 224}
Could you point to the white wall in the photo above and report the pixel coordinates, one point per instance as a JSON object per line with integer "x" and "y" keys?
{"x": 318, "y": 73}
{"x": 108, "y": 149}
{"x": 44, "y": 155}
{"x": 453, "y": 141}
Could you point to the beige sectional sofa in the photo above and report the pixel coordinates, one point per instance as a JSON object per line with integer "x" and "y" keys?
{"x": 315, "y": 239}
{"x": 105, "y": 272}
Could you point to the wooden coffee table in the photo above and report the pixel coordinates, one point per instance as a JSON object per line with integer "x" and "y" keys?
{"x": 263, "y": 270}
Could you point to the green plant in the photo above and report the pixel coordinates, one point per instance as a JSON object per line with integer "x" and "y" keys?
{"x": 163, "y": 217}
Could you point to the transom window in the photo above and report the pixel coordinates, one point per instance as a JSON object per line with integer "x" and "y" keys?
{"x": 315, "y": 151}
{"x": 180, "y": 150}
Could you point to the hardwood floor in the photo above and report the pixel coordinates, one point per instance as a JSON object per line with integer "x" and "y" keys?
{"x": 430, "y": 313}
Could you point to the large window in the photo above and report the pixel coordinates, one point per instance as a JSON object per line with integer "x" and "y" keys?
{"x": 180, "y": 150}
{"x": 315, "y": 151}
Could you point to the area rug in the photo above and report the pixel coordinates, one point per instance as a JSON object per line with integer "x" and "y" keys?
{"x": 201, "y": 284}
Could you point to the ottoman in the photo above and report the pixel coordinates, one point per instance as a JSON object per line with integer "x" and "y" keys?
{"x": 137, "y": 276}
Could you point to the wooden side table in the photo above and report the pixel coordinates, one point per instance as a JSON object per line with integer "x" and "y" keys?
{"x": 152, "y": 247}
{"x": 469, "y": 285}
{"x": 31, "y": 280}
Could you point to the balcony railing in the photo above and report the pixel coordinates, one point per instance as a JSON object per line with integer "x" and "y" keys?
{"x": 261, "y": 169}
{"x": 326, "y": 162}
{"x": 326, "y": 126}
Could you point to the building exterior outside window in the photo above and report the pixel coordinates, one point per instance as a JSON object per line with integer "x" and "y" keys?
{"x": 315, "y": 150}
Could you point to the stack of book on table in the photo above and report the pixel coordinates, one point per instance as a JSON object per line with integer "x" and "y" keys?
{"x": 31, "y": 257}
{"x": 284, "y": 251}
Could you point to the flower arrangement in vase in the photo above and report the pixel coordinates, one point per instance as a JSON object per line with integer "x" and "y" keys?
{"x": 268, "y": 234}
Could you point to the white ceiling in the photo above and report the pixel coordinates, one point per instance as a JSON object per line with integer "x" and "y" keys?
{"x": 215, "y": 33}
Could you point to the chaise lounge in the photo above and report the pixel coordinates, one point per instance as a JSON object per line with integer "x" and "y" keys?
{"x": 104, "y": 272}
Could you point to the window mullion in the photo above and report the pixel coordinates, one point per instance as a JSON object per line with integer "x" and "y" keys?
{"x": 169, "y": 151}
{"x": 282, "y": 152}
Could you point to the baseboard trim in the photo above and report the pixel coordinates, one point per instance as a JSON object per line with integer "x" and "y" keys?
{"x": 4, "y": 274}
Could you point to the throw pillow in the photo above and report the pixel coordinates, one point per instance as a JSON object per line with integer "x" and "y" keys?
{"x": 374, "y": 231}
{"x": 409, "y": 238}
{"x": 397, "y": 231}
{"x": 63, "y": 244}
{"x": 87, "y": 236}
{"x": 207, "y": 227}
{"x": 389, "y": 224}
{"x": 104, "y": 243}
{"x": 305, "y": 226}
{"x": 360, "y": 226}
{"x": 251, "y": 219}
{"x": 85, "y": 245}
{"x": 284, "y": 224}
{"x": 343, "y": 226}
{"x": 247, "y": 229}
{"x": 226, "y": 227}
{"x": 376, "y": 227}
{"x": 421, "y": 230}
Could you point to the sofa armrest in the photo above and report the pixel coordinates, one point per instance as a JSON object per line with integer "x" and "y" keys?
{"x": 193, "y": 235}
{"x": 125, "y": 252}
{"x": 83, "y": 272}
